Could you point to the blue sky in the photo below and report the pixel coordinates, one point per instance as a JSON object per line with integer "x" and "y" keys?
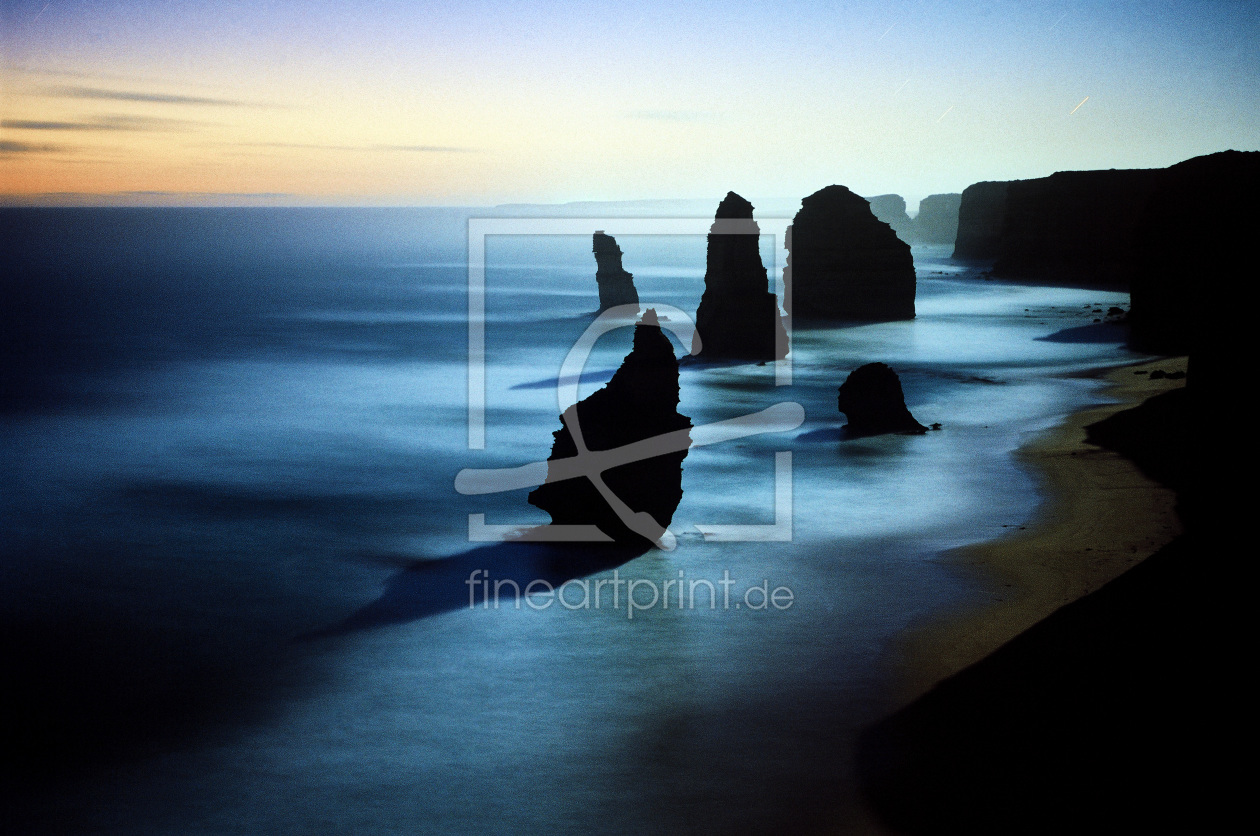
{"x": 408, "y": 103}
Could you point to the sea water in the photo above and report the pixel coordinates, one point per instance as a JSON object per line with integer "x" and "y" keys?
{"x": 235, "y": 557}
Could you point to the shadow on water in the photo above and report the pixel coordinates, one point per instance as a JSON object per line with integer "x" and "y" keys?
{"x": 429, "y": 587}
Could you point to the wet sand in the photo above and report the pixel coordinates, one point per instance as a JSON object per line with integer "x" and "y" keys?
{"x": 1102, "y": 517}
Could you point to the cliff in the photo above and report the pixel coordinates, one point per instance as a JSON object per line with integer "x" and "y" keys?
{"x": 872, "y": 400}
{"x": 738, "y": 316}
{"x": 981, "y": 213}
{"x": 1196, "y": 226}
{"x": 1074, "y": 226}
{"x": 891, "y": 209}
{"x": 640, "y": 402}
{"x": 616, "y": 286}
{"x": 937, "y": 221}
{"x": 845, "y": 263}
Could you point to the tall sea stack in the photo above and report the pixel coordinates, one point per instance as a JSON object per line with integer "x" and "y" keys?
{"x": 847, "y": 264}
{"x": 937, "y": 221}
{"x": 640, "y": 402}
{"x": 738, "y": 316}
{"x": 891, "y": 209}
{"x": 616, "y": 286}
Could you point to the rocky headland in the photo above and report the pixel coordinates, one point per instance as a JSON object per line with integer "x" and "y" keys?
{"x": 981, "y": 214}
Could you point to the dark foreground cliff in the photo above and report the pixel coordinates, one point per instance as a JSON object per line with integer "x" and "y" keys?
{"x": 1106, "y": 716}
{"x": 640, "y": 402}
{"x": 845, "y": 264}
{"x": 738, "y": 317}
{"x": 1192, "y": 240}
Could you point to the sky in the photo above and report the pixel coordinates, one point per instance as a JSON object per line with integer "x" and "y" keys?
{"x": 415, "y": 103}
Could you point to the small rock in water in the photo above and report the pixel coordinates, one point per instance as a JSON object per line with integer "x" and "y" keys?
{"x": 872, "y": 400}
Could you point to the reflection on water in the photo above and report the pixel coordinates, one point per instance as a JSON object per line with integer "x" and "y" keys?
{"x": 227, "y": 431}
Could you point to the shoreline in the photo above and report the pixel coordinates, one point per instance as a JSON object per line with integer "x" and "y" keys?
{"x": 1100, "y": 517}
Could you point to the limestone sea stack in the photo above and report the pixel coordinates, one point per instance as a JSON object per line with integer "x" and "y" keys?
{"x": 847, "y": 264}
{"x": 640, "y": 402}
{"x": 872, "y": 399}
{"x": 616, "y": 286}
{"x": 937, "y": 221}
{"x": 891, "y": 209}
{"x": 738, "y": 317}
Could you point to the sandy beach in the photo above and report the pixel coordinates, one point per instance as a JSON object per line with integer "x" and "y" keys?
{"x": 1078, "y": 693}
{"x": 1102, "y": 516}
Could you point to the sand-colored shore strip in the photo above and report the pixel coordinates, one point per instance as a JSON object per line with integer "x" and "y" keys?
{"x": 1101, "y": 517}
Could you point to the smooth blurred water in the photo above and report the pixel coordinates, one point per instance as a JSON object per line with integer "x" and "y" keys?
{"x": 227, "y": 430}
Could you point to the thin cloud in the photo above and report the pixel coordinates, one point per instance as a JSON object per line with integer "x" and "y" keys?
{"x": 157, "y": 193}
{"x": 9, "y": 146}
{"x": 96, "y": 93}
{"x": 427, "y": 149}
{"x": 103, "y": 123}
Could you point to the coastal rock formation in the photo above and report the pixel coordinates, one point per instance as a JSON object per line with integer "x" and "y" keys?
{"x": 738, "y": 316}
{"x": 891, "y": 209}
{"x": 981, "y": 214}
{"x": 872, "y": 399}
{"x": 1074, "y": 226}
{"x": 845, "y": 263}
{"x": 616, "y": 286}
{"x": 640, "y": 402}
{"x": 1194, "y": 232}
{"x": 937, "y": 221}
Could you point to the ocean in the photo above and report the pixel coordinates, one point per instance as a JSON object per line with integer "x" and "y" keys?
{"x": 236, "y": 566}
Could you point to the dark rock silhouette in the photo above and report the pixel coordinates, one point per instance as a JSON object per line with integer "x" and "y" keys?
{"x": 1194, "y": 231}
{"x": 640, "y": 402}
{"x": 891, "y": 209}
{"x": 1074, "y": 226}
{"x": 981, "y": 213}
{"x": 738, "y": 316}
{"x": 872, "y": 399}
{"x": 845, "y": 263}
{"x": 937, "y": 221}
{"x": 616, "y": 286}
{"x": 1056, "y": 725}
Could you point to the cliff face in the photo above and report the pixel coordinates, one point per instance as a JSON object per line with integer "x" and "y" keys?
{"x": 981, "y": 213}
{"x": 640, "y": 402}
{"x": 846, "y": 264}
{"x": 1074, "y": 225}
{"x": 738, "y": 316}
{"x": 872, "y": 400}
{"x": 937, "y": 221}
{"x": 616, "y": 286}
{"x": 1193, "y": 234}
{"x": 891, "y": 209}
